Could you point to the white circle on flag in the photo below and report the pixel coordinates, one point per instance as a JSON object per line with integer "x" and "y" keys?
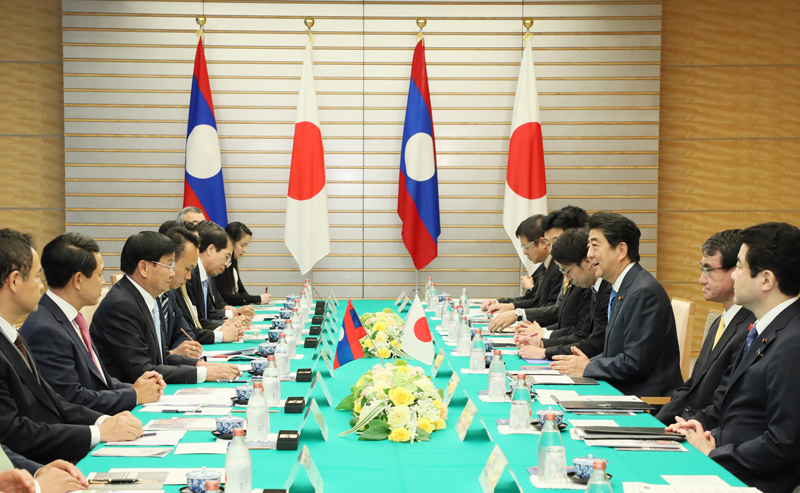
{"x": 202, "y": 152}
{"x": 419, "y": 157}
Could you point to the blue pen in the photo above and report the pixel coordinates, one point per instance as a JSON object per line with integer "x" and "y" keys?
{"x": 149, "y": 434}
{"x": 231, "y": 381}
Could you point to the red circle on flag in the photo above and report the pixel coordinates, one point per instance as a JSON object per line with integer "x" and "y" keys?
{"x": 422, "y": 331}
{"x": 525, "y": 175}
{"x": 307, "y": 176}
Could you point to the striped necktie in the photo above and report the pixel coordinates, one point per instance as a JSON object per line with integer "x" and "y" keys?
{"x": 190, "y": 306}
{"x": 750, "y": 338}
{"x": 565, "y": 285}
{"x": 163, "y": 300}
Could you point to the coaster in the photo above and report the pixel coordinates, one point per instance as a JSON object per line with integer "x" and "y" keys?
{"x": 255, "y": 373}
{"x": 575, "y": 479}
{"x": 537, "y": 426}
{"x": 238, "y": 402}
{"x": 224, "y": 436}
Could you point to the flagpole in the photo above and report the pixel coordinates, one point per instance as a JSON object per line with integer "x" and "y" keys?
{"x": 416, "y": 283}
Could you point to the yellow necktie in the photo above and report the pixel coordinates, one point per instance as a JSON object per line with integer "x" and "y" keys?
{"x": 564, "y": 285}
{"x": 189, "y": 304}
{"x": 720, "y": 328}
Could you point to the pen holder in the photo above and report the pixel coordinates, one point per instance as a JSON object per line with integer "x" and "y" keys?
{"x": 303, "y": 375}
{"x": 311, "y": 342}
{"x": 315, "y": 330}
{"x": 294, "y": 405}
{"x": 288, "y": 440}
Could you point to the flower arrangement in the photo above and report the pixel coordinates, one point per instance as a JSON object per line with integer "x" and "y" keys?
{"x": 383, "y": 333}
{"x": 395, "y": 401}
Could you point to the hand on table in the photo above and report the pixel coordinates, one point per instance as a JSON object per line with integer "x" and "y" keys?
{"x": 570, "y": 365}
{"x": 246, "y": 310}
{"x": 266, "y": 298}
{"x": 526, "y": 328}
{"x": 190, "y": 349}
{"x": 522, "y": 341}
{"x": 500, "y": 307}
{"x": 695, "y": 434}
{"x": 221, "y": 371}
{"x": 531, "y": 352}
{"x": 17, "y": 481}
{"x": 68, "y": 477}
{"x": 121, "y": 427}
{"x": 501, "y": 321}
{"x": 149, "y": 387}
{"x": 232, "y": 330}
{"x": 485, "y": 304}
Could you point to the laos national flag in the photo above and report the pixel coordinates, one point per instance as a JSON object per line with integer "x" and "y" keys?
{"x": 349, "y": 348}
{"x": 418, "y": 194}
{"x": 203, "y": 184}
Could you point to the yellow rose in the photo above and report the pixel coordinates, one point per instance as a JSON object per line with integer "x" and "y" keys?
{"x": 357, "y": 406}
{"x": 440, "y": 424}
{"x": 379, "y": 327}
{"x": 394, "y": 343}
{"x": 381, "y": 337}
{"x": 380, "y": 315}
{"x": 426, "y": 425}
{"x": 399, "y": 435}
{"x": 401, "y": 397}
{"x": 384, "y": 353}
{"x": 438, "y": 403}
{"x": 390, "y": 321}
{"x": 401, "y": 369}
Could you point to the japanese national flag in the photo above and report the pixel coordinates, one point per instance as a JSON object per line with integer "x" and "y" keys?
{"x": 416, "y": 340}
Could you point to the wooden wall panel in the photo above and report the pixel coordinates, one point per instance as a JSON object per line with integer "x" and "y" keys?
{"x": 33, "y": 172}
{"x": 32, "y": 30}
{"x": 730, "y": 131}
{"x": 32, "y": 99}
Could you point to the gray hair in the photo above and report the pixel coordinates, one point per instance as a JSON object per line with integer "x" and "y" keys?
{"x": 189, "y": 209}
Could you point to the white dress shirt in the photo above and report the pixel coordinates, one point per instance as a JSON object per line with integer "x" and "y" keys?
{"x": 71, "y": 313}
{"x": 621, "y": 277}
{"x": 10, "y": 332}
{"x": 228, "y": 313}
{"x": 727, "y": 317}
{"x": 763, "y": 322}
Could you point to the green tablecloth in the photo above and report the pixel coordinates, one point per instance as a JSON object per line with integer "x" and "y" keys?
{"x": 443, "y": 464}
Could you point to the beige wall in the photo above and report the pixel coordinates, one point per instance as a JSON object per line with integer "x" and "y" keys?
{"x": 730, "y": 131}
{"x": 32, "y": 128}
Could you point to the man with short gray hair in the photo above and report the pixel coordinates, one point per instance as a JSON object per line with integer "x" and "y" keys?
{"x": 191, "y": 214}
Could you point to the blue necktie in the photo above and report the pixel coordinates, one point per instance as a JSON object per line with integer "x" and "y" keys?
{"x": 157, "y": 322}
{"x": 750, "y": 338}
{"x": 611, "y": 303}
{"x": 205, "y": 298}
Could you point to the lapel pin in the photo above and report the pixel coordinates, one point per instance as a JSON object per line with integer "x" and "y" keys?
{"x": 765, "y": 340}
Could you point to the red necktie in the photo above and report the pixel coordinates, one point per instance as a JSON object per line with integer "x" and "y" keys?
{"x": 87, "y": 339}
{"x": 21, "y": 347}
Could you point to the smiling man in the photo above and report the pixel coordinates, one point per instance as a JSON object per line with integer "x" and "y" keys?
{"x": 697, "y": 396}
{"x": 640, "y": 355}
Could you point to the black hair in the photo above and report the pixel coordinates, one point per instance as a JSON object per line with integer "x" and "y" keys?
{"x": 170, "y": 224}
{"x": 531, "y": 228}
{"x": 237, "y": 231}
{"x": 180, "y": 236}
{"x": 772, "y": 247}
{"x": 567, "y": 218}
{"x": 212, "y": 234}
{"x": 618, "y": 229}
{"x": 145, "y": 245}
{"x": 66, "y": 255}
{"x": 571, "y": 247}
{"x": 15, "y": 254}
{"x": 727, "y": 243}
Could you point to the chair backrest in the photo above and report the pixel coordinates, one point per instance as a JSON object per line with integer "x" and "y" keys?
{"x": 684, "y": 322}
{"x": 88, "y": 311}
{"x": 712, "y": 316}
{"x": 116, "y": 277}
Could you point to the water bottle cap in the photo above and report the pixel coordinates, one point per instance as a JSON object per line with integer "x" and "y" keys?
{"x": 599, "y": 464}
{"x": 271, "y": 358}
{"x": 496, "y": 352}
{"x": 432, "y": 282}
{"x": 447, "y": 297}
{"x": 306, "y": 280}
{"x": 550, "y": 417}
{"x": 239, "y": 432}
{"x": 464, "y": 318}
{"x": 212, "y": 485}
{"x": 257, "y": 385}
{"x": 281, "y": 335}
{"x": 294, "y": 309}
{"x": 521, "y": 376}
{"x": 302, "y": 293}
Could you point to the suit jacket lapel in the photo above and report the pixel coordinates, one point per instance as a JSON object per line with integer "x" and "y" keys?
{"x": 146, "y": 313}
{"x": 199, "y": 300}
{"x": 623, "y": 291}
{"x": 707, "y": 354}
{"x": 61, "y": 317}
{"x": 27, "y": 376}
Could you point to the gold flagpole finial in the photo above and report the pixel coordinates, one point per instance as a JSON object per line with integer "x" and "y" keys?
{"x": 528, "y": 23}
{"x": 309, "y": 22}
{"x": 421, "y": 23}
{"x": 201, "y": 21}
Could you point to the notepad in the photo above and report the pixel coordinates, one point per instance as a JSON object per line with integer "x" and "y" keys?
{"x": 132, "y": 452}
{"x": 174, "y": 475}
{"x": 160, "y": 438}
{"x": 216, "y": 447}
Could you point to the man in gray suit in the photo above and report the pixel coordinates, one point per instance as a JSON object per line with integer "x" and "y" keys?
{"x": 640, "y": 355}
{"x": 757, "y": 438}
{"x": 725, "y": 337}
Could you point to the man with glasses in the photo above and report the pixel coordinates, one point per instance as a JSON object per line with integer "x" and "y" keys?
{"x": 129, "y": 327}
{"x": 587, "y": 299}
{"x": 702, "y": 393}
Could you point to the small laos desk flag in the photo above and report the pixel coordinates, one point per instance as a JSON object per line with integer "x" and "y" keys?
{"x": 349, "y": 348}
{"x": 526, "y": 187}
{"x": 418, "y": 194}
{"x": 306, "y": 233}
{"x": 203, "y": 184}
{"x": 416, "y": 340}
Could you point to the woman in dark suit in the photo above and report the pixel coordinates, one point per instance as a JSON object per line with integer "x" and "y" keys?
{"x": 229, "y": 282}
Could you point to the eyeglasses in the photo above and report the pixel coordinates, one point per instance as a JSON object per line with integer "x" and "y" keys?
{"x": 567, "y": 271}
{"x": 170, "y": 266}
{"x": 228, "y": 261}
{"x": 707, "y": 272}
{"x": 525, "y": 247}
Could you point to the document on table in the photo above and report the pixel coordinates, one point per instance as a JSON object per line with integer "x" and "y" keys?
{"x": 183, "y": 399}
{"x": 631, "y": 487}
{"x": 206, "y": 391}
{"x": 132, "y": 452}
{"x": 538, "y": 371}
{"x": 174, "y": 476}
{"x": 209, "y": 411}
{"x": 608, "y": 398}
{"x": 552, "y": 380}
{"x": 150, "y": 481}
{"x": 189, "y": 424}
{"x": 216, "y": 447}
{"x": 545, "y": 396}
{"x": 577, "y": 423}
{"x": 160, "y": 438}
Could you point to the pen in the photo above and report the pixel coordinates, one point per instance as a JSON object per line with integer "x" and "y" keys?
{"x": 171, "y": 411}
{"x": 149, "y": 434}
{"x": 231, "y": 381}
{"x": 114, "y": 481}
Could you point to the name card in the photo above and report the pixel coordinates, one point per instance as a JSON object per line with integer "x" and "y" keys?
{"x": 318, "y": 379}
{"x": 493, "y": 471}
{"x": 400, "y": 298}
{"x": 313, "y": 408}
{"x": 452, "y": 385}
{"x": 437, "y": 363}
{"x": 467, "y": 415}
{"x": 305, "y": 462}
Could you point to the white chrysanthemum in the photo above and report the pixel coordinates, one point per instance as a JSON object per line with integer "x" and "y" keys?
{"x": 399, "y": 416}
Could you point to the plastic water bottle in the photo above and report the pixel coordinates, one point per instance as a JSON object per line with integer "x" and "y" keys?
{"x": 295, "y": 318}
{"x": 464, "y": 337}
{"x": 257, "y": 415}
{"x": 272, "y": 383}
{"x": 433, "y": 300}
{"x": 520, "y": 418}
{"x": 477, "y": 354}
{"x": 282, "y": 356}
{"x": 464, "y": 299}
{"x": 497, "y": 377}
{"x": 291, "y": 339}
{"x": 238, "y": 466}
{"x": 303, "y": 307}
{"x": 452, "y": 328}
{"x": 598, "y": 482}
{"x": 428, "y": 290}
{"x": 447, "y": 312}
{"x": 549, "y": 437}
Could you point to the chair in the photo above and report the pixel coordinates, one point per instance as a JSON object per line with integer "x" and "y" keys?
{"x": 116, "y": 277}
{"x": 712, "y": 316}
{"x": 88, "y": 311}
{"x": 684, "y": 322}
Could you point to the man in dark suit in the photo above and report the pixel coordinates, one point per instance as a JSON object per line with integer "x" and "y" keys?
{"x": 129, "y": 328}
{"x": 59, "y": 336}
{"x": 588, "y": 332}
{"x": 757, "y": 436}
{"x": 180, "y": 317}
{"x": 640, "y": 352}
{"x": 58, "y": 476}
{"x": 35, "y": 421}
{"x": 694, "y": 399}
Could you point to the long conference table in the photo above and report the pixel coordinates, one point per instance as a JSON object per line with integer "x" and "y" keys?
{"x": 443, "y": 464}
